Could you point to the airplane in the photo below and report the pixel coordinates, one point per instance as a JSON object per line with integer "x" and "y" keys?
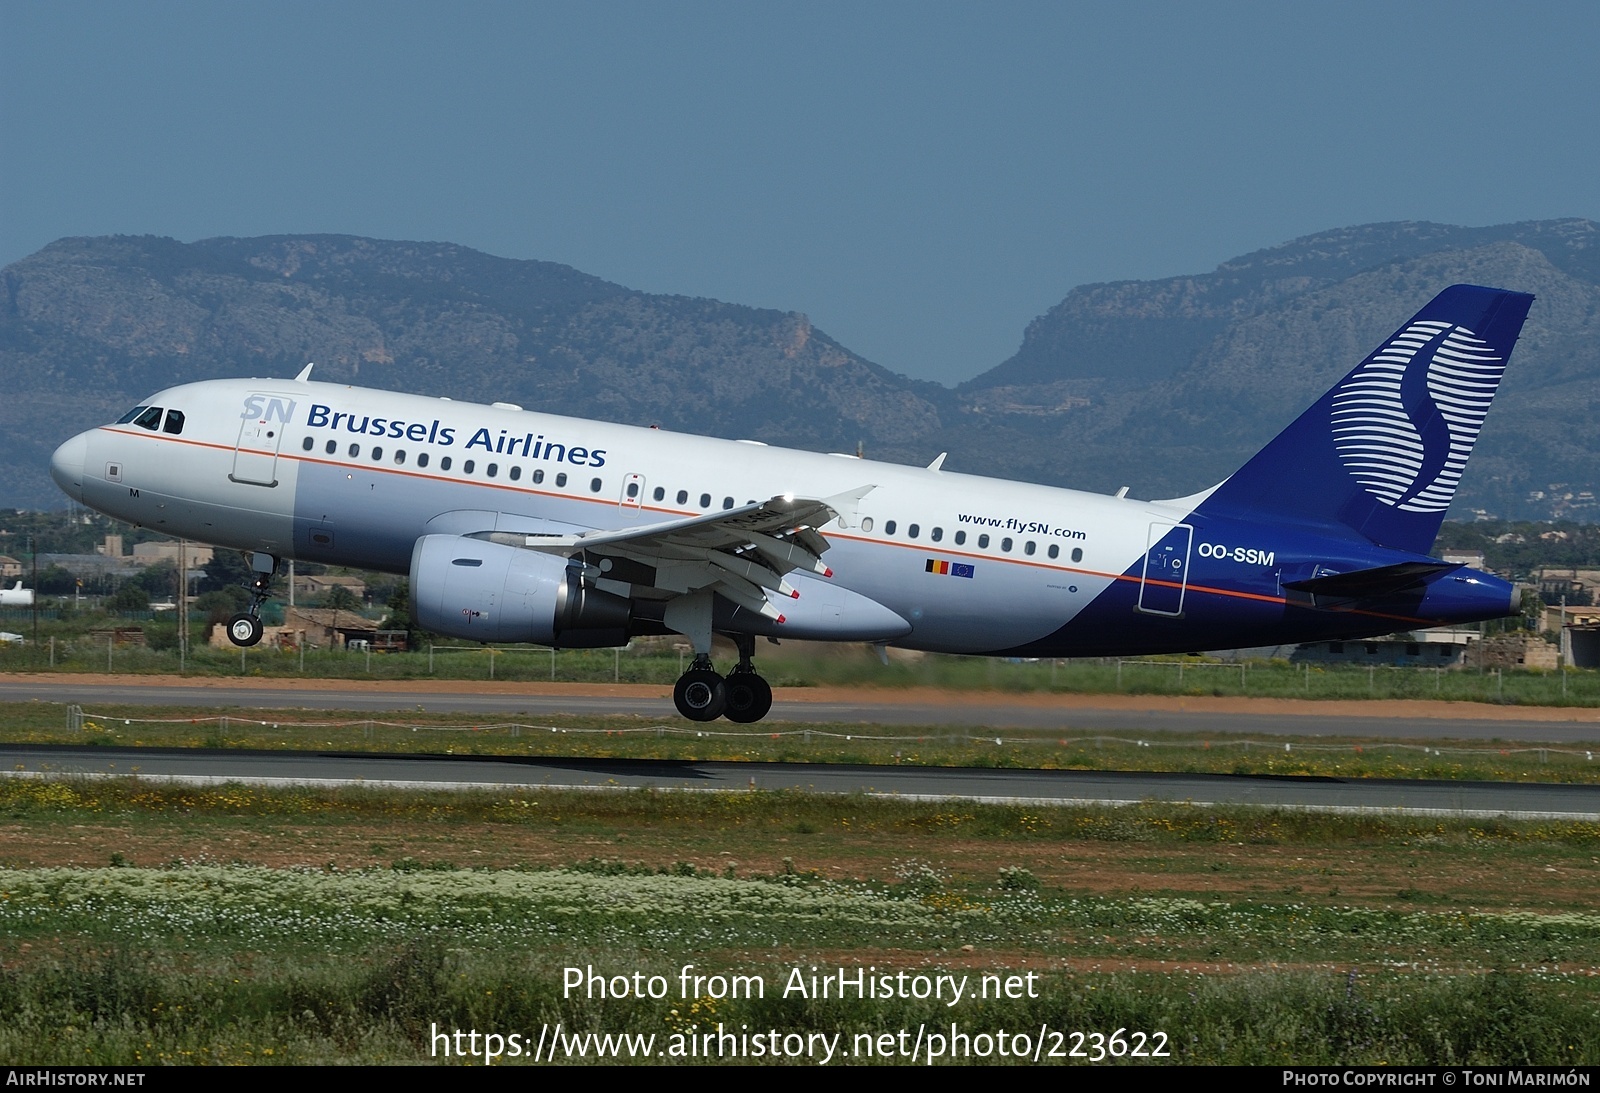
{"x": 519, "y": 526}
{"x": 16, "y": 597}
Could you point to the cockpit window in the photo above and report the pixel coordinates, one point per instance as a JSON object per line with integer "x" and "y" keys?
{"x": 131, "y": 414}
{"x": 150, "y": 419}
{"x": 174, "y": 423}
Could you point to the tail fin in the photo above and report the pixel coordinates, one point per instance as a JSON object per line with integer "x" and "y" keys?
{"x": 1383, "y": 451}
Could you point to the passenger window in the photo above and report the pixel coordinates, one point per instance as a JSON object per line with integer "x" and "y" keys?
{"x": 727, "y": 502}
{"x": 377, "y": 453}
{"x": 399, "y": 456}
{"x": 961, "y": 538}
{"x": 912, "y": 531}
{"x": 561, "y": 479}
{"x": 659, "y": 494}
{"x": 705, "y": 500}
{"x": 1077, "y": 554}
{"x": 466, "y": 468}
{"x": 174, "y": 423}
{"x": 1028, "y": 549}
{"x": 983, "y": 541}
{"x": 936, "y": 534}
{"x": 888, "y": 527}
{"x": 594, "y": 485}
{"x": 633, "y": 488}
{"x": 331, "y": 447}
{"x": 150, "y": 419}
{"x": 492, "y": 469}
{"x": 131, "y": 414}
{"x": 1005, "y": 545}
{"x": 422, "y": 460}
{"x": 1055, "y": 551}
{"x": 516, "y": 474}
{"x": 355, "y": 450}
{"x": 683, "y": 497}
{"x": 444, "y": 463}
{"x": 866, "y": 523}
{"x": 307, "y": 443}
{"x": 538, "y": 476}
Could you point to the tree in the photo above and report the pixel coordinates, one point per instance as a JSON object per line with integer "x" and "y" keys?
{"x": 340, "y": 598}
{"x": 226, "y": 569}
{"x": 159, "y": 579}
{"x": 130, "y": 597}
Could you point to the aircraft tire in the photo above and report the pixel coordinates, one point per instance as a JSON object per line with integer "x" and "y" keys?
{"x": 700, "y": 695}
{"x": 244, "y": 630}
{"x": 749, "y": 698}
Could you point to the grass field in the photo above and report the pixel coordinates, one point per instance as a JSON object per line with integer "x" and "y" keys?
{"x": 143, "y": 923}
{"x": 151, "y": 923}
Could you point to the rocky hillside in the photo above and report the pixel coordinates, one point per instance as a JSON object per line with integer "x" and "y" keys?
{"x": 1164, "y": 386}
{"x": 1168, "y": 385}
{"x": 91, "y": 325}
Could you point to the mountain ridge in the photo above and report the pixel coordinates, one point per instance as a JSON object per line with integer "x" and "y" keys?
{"x": 1165, "y": 385}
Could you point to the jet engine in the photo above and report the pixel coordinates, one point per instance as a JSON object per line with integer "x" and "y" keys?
{"x": 481, "y": 591}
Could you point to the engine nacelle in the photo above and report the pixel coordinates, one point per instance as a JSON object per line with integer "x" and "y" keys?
{"x": 480, "y": 591}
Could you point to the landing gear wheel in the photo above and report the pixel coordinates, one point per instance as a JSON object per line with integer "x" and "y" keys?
{"x": 700, "y": 695}
{"x": 749, "y": 698}
{"x": 244, "y": 629}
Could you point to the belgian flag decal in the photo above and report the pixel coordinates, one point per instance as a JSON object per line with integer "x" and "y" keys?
{"x": 948, "y": 569}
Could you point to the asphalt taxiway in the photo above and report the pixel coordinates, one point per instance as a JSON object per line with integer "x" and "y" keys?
{"x": 1042, "y": 787}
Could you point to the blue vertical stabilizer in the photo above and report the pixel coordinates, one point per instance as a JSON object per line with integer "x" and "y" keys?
{"x": 1383, "y": 451}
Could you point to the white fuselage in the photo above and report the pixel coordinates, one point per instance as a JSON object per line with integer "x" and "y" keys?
{"x": 353, "y": 476}
{"x": 953, "y": 562}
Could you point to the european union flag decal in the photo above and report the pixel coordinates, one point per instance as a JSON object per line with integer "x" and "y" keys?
{"x": 948, "y": 569}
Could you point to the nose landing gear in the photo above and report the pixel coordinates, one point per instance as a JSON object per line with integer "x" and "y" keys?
{"x": 244, "y": 629}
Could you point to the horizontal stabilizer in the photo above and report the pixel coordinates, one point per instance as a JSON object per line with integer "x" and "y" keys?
{"x": 1384, "y": 580}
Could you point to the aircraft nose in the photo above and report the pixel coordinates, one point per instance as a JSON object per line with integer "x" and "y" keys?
{"x": 66, "y": 466}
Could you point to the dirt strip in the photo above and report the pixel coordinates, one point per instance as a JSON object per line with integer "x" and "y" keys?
{"x": 887, "y": 696}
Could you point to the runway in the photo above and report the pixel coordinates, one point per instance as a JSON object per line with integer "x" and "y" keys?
{"x": 1120, "y": 714}
{"x": 1033, "y": 787}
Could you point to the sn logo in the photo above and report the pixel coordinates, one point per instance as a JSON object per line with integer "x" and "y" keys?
{"x": 262, "y": 408}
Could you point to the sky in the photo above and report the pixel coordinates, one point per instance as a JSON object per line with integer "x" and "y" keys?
{"x": 921, "y": 179}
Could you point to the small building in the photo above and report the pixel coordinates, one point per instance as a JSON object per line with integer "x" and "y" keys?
{"x": 10, "y": 568}
{"x": 197, "y": 555}
{"x": 314, "y": 588}
{"x": 1472, "y": 558}
{"x": 1582, "y": 646}
{"x": 1522, "y": 649}
{"x": 1392, "y": 652}
{"x": 1575, "y": 584}
{"x": 1555, "y": 617}
{"x": 89, "y": 566}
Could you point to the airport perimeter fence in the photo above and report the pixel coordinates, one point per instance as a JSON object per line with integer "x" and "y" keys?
{"x": 657, "y": 662}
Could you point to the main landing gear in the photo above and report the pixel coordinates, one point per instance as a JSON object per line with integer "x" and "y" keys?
{"x": 244, "y": 629}
{"x": 744, "y": 697}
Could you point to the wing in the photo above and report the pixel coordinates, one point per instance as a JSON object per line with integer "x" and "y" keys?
{"x": 741, "y": 553}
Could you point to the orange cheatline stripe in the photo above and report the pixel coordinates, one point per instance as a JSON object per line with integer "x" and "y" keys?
{"x": 923, "y": 549}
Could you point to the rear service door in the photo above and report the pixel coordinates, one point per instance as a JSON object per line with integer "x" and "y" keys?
{"x": 1166, "y": 569}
